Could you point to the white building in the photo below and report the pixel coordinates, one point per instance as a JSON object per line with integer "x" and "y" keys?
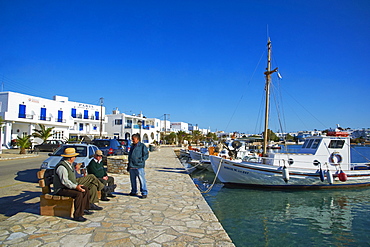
{"x": 22, "y": 113}
{"x": 123, "y": 126}
{"x": 177, "y": 126}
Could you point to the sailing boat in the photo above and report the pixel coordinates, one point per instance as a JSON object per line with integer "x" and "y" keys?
{"x": 322, "y": 162}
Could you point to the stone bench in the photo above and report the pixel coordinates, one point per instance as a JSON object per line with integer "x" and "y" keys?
{"x": 53, "y": 205}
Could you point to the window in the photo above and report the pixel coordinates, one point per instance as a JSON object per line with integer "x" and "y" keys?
{"x": 43, "y": 113}
{"x": 22, "y": 111}
{"x": 316, "y": 143}
{"x": 81, "y": 126}
{"x": 336, "y": 144}
{"x": 96, "y": 115}
{"x": 86, "y": 114}
{"x": 95, "y": 127}
{"x": 60, "y": 116}
{"x": 118, "y": 122}
{"x": 73, "y": 113}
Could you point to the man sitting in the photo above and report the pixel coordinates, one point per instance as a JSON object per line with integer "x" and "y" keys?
{"x": 96, "y": 167}
{"x": 65, "y": 184}
{"x": 93, "y": 184}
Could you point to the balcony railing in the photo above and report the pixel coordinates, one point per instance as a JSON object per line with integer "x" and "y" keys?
{"x": 59, "y": 120}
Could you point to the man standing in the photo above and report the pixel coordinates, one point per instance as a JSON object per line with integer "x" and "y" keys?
{"x": 65, "y": 184}
{"x": 96, "y": 167}
{"x": 136, "y": 163}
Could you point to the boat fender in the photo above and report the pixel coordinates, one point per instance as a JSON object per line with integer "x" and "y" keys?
{"x": 286, "y": 174}
{"x": 322, "y": 176}
{"x": 329, "y": 176}
{"x": 342, "y": 176}
{"x": 290, "y": 161}
{"x": 335, "y": 159}
{"x": 316, "y": 163}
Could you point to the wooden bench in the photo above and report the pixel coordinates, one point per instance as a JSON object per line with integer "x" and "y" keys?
{"x": 53, "y": 205}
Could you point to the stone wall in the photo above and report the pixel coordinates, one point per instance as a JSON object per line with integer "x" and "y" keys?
{"x": 117, "y": 164}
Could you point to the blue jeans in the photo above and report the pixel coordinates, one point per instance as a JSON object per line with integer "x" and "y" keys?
{"x": 138, "y": 173}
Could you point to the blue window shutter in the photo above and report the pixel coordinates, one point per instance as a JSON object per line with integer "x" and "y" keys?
{"x": 81, "y": 126}
{"x": 22, "y": 111}
{"x": 43, "y": 114}
{"x": 96, "y": 115}
{"x": 74, "y": 115}
{"x": 60, "y": 116}
{"x": 86, "y": 114}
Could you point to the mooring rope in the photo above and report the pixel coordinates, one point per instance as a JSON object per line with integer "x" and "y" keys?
{"x": 214, "y": 180}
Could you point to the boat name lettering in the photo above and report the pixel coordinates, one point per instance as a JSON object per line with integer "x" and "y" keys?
{"x": 236, "y": 170}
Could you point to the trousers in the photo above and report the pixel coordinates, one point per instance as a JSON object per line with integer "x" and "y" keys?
{"x": 81, "y": 201}
{"x": 93, "y": 184}
{"x": 108, "y": 182}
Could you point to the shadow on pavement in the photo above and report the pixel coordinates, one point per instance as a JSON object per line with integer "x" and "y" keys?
{"x": 11, "y": 205}
{"x": 29, "y": 176}
{"x": 176, "y": 170}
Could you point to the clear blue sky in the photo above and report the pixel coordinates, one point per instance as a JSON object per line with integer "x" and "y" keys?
{"x": 199, "y": 61}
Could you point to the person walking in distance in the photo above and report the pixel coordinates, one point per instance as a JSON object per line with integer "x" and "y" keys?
{"x": 136, "y": 163}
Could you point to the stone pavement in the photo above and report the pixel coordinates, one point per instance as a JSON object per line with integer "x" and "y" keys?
{"x": 174, "y": 214}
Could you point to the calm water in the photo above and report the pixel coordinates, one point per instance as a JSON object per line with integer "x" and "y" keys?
{"x": 292, "y": 218}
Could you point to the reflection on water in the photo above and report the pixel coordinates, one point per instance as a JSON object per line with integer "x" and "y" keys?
{"x": 290, "y": 218}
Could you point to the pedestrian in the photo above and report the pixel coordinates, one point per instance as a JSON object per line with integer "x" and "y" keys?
{"x": 136, "y": 163}
{"x": 65, "y": 184}
{"x": 96, "y": 167}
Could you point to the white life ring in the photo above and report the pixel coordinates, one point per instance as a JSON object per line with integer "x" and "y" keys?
{"x": 335, "y": 159}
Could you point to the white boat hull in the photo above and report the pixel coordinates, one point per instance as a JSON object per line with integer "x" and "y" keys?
{"x": 253, "y": 174}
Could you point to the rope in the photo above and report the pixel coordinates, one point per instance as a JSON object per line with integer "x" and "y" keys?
{"x": 214, "y": 180}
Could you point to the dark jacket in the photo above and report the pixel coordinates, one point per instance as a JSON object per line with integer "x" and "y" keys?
{"x": 96, "y": 168}
{"x": 137, "y": 156}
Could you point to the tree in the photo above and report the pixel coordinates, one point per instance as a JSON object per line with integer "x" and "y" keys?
{"x": 181, "y": 136}
{"x": 171, "y": 138}
{"x": 271, "y": 135}
{"x": 43, "y": 133}
{"x": 23, "y": 143}
{"x": 197, "y": 136}
{"x": 211, "y": 136}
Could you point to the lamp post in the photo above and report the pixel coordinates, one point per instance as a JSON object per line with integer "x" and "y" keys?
{"x": 139, "y": 123}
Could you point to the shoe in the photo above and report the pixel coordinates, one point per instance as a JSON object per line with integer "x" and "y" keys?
{"x": 133, "y": 194}
{"x": 80, "y": 219}
{"x": 87, "y": 212}
{"x": 105, "y": 199}
{"x": 95, "y": 207}
{"x": 144, "y": 196}
{"x": 110, "y": 195}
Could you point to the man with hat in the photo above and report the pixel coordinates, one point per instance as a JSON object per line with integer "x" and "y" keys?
{"x": 65, "y": 184}
{"x": 96, "y": 167}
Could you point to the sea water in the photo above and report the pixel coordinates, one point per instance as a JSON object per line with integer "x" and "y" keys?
{"x": 252, "y": 217}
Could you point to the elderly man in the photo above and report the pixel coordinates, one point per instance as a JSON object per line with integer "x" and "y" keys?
{"x": 96, "y": 167}
{"x": 93, "y": 184}
{"x": 136, "y": 164}
{"x": 65, "y": 184}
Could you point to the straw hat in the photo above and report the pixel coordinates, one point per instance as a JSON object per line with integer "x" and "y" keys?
{"x": 70, "y": 152}
{"x": 99, "y": 152}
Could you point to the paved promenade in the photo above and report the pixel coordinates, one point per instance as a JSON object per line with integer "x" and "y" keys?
{"x": 174, "y": 214}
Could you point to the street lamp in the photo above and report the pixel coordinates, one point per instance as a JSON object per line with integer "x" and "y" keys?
{"x": 139, "y": 123}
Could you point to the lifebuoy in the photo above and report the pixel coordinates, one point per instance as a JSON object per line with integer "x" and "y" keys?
{"x": 335, "y": 159}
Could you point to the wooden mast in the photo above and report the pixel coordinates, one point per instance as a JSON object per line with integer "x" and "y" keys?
{"x": 267, "y": 73}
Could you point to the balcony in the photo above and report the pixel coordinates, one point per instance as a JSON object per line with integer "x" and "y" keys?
{"x": 60, "y": 120}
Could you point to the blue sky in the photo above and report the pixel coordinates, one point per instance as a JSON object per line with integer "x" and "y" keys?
{"x": 202, "y": 62}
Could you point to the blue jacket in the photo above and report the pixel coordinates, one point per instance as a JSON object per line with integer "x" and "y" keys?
{"x": 137, "y": 156}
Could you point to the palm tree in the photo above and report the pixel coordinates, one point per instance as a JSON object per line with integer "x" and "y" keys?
{"x": 43, "y": 133}
{"x": 181, "y": 135}
{"x": 197, "y": 136}
{"x": 23, "y": 143}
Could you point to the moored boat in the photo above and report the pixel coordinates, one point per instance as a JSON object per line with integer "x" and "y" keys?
{"x": 322, "y": 162}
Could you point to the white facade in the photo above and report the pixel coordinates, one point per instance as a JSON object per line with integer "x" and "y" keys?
{"x": 177, "y": 126}
{"x": 123, "y": 126}
{"x": 22, "y": 113}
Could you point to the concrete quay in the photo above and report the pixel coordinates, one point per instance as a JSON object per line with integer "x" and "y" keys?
{"x": 174, "y": 214}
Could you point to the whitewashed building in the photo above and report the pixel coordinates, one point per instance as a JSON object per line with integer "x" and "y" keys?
{"x": 22, "y": 113}
{"x": 177, "y": 126}
{"x": 123, "y": 126}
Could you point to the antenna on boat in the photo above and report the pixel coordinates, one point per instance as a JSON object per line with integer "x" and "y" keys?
{"x": 267, "y": 73}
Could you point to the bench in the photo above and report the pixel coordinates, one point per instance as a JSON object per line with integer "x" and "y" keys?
{"x": 53, "y": 205}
